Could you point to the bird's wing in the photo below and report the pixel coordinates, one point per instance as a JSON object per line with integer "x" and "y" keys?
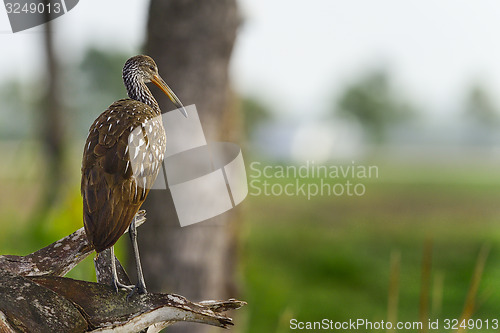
{"x": 117, "y": 170}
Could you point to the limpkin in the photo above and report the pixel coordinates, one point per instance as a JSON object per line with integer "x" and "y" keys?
{"x": 112, "y": 191}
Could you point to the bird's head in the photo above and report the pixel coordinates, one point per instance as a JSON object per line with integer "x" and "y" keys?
{"x": 143, "y": 68}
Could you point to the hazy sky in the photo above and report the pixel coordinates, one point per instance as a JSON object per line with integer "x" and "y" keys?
{"x": 297, "y": 54}
{"x": 433, "y": 48}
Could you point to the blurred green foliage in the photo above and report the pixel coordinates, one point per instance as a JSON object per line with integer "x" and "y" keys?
{"x": 95, "y": 85}
{"x": 479, "y": 106}
{"x": 330, "y": 257}
{"x": 372, "y": 101}
{"x": 23, "y": 168}
{"x": 17, "y": 118}
{"x": 20, "y": 234}
{"x": 254, "y": 113}
{"x": 101, "y": 71}
{"x": 307, "y": 259}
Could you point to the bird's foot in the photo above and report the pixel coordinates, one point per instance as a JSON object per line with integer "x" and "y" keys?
{"x": 118, "y": 285}
{"x": 138, "y": 289}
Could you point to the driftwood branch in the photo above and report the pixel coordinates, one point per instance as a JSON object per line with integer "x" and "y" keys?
{"x": 35, "y": 298}
{"x": 57, "y": 258}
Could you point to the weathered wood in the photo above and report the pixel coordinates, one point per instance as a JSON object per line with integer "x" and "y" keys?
{"x": 58, "y": 304}
{"x": 105, "y": 309}
{"x": 28, "y": 307}
{"x": 103, "y": 269}
{"x": 34, "y": 299}
{"x": 57, "y": 258}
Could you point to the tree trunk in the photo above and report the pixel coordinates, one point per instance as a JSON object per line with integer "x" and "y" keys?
{"x": 51, "y": 130}
{"x": 191, "y": 41}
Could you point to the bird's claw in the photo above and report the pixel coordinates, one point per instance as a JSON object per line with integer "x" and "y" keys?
{"x": 118, "y": 285}
{"x": 138, "y": 289}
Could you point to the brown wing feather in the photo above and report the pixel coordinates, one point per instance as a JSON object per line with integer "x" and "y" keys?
{"x": 112, "y": 192}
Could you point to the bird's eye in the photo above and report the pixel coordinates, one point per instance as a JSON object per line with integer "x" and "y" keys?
{"x": 151, "y": 68}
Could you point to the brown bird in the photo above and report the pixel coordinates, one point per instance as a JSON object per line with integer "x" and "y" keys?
{"x": 122, "y": 156}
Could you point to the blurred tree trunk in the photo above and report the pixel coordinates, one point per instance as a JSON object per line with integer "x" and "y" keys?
{"x": 191, "y": 41}
{"x": 51, "y": 131}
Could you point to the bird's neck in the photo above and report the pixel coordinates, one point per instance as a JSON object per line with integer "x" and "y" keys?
{"x": 137, "y": 89}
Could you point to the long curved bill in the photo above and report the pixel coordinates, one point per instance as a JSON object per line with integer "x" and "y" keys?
{"x": 166, "y": 89}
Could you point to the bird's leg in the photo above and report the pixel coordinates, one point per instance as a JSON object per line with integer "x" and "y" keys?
{"x": 140, "y": 287}
{"x": 114, "y": 275}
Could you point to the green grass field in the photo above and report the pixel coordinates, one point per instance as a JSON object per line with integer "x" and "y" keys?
{"x": 329, "y": 257}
